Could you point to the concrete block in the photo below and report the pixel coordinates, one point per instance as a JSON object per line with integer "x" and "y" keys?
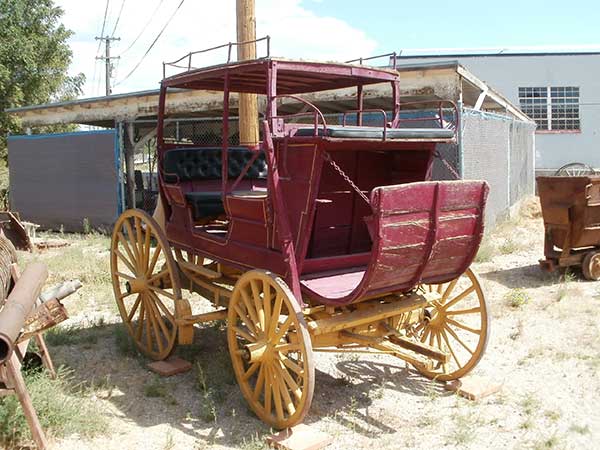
{"x": 170, "y": 366}
{"x": 300, "y": 437}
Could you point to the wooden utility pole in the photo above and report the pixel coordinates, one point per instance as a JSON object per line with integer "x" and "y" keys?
{"x": 248, "y": 103}
{"x": 107, "y": 60}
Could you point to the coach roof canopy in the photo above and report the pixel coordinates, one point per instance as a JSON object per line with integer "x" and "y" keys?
{"x": 292, "y": 77}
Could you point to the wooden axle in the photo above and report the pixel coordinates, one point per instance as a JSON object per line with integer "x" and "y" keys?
{"x": 200, "y": 318}
{"x": 379, "y": 311}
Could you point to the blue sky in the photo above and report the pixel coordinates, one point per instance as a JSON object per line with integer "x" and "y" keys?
{"x": 467, "y": 23}
{"x": 332, "y": 30}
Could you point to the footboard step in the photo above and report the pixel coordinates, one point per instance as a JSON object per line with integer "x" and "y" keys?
{"x": 300, "y": 437}
{"x": 170, "y": 366}
{"x": 473, "y": 387}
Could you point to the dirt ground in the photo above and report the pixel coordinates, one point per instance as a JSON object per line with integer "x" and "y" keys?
{"x": 544, "y": 348}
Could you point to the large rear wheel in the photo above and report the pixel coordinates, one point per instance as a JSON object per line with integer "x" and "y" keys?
{"x": 145, "y": 283}
{"x": 270, "y": 349}
{"x": 458, "y": 324}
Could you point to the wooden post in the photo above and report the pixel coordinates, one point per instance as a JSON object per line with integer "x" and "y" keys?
{"x": 248, "y": 103}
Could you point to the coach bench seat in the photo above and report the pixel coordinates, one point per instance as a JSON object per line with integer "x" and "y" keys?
{"x": 210, "y": 203}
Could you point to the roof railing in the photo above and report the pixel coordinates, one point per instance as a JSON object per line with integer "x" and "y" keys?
{"x": 393, "y": 58}
{"x": 229, "y": 47}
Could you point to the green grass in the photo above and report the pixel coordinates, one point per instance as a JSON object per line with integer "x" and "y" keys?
{"x": 516, "y": 298}
{"x": 62, "y": 406}
{"x": 509, "y": 246}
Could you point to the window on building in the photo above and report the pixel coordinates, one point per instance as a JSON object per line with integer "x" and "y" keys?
{"x": 552, "y": 108}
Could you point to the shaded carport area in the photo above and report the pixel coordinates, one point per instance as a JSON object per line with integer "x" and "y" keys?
{"x": 195, "y": 117}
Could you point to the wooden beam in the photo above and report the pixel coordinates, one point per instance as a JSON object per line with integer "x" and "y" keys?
{"x": 379, "y": 311}
{"x": 248, "y": 103}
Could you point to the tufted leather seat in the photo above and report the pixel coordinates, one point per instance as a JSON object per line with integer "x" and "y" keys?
{"x": 197, "y": 164}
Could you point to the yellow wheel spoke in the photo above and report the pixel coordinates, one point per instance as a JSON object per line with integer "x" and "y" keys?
{"x": 134, "y": 308}
{"x": 448, "y": 289}
{"x": 277, "y": 397}
{"x": 133, "y": 240}
{"x": 258, "y": 304}
{"x": 286, "y": 348}
{"x": 168, "y": 314}
{"x": 157, "y": 317}
{"x": 124, "y": 275}
{"x": 140, "y": 323}
{"x": 283, "y": 329}
{"x": 289, "y": 381}
{"x": 249, "y": 307}
{"x": 459, "y": 297}
{"x": 267, "y": 304}
{"x": 292, "y": 365}
{"x": 455, "y": 336}
{"x": 425, "y": 334}
{"x": 245, "y": 334}
{"x": 450, "y": 348}
{"x": 463, "y": 311}
{"x": 161, "y": 292}
{"x": 125, "y": 261}
{"x": 463, "y": 326}
{"x": 276, "y": 314}
{"x": 251, "y": 370}
{"x": 258, "y": 387}
{"x": 121, "y": 237}
{"x": 289, "y": 404}
{"x": 268, "y": 391}
{"x": 152, "y": 264}
{"x": 244, "y": 318}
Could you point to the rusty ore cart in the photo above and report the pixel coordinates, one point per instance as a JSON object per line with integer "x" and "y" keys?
{"x": 319, "y": 238}
{"x": 571, "y": 212}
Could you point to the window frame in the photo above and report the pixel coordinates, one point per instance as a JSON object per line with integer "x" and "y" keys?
{"x": 552, "y": 100}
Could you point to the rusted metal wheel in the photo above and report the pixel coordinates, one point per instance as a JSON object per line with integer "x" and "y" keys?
{"x": 591, "y": 266}
{"x": 145, "y": 282}
{"x": 270, "y": 349}
{"x": 458, "y": 324}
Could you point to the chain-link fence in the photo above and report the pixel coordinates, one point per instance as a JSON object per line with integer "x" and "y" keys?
{"x": 500, "y": 150}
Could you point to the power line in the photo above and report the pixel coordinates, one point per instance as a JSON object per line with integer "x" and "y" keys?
{"x": 152, "y": 45}
{"x": 118, "y": 18}
{"x": 144, "y": 27}
{"x": 103, "y": 26}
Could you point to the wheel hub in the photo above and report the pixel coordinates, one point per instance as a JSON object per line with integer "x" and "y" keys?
{"x": 137, "y": 285}
{"x": 258, "y": 351}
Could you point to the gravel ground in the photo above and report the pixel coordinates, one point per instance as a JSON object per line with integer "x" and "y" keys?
{"x": 545, "y": 352}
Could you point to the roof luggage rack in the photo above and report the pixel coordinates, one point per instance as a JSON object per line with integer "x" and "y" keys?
{"x": 229, "y": 47}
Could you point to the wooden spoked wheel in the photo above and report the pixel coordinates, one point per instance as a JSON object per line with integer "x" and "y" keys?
{"x": 458, "y": 324}
{"x": 145, "y": 282}
{"x": 591, "y": 266}
{"x": 270, "y": 349}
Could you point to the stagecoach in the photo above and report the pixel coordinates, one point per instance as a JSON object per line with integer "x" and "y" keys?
{"x": 321, "y": 237}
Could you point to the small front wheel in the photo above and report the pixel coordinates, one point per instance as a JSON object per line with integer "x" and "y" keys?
{"x": 457, "y": 323}
{"x": 591, "y": 266}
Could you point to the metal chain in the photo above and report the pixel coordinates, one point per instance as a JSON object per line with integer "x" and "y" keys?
{"x": 339, "y": 170}
{"x": 447, "y": 164}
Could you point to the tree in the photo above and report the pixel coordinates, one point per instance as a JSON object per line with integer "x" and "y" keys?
{"x": 34, "y": 59}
